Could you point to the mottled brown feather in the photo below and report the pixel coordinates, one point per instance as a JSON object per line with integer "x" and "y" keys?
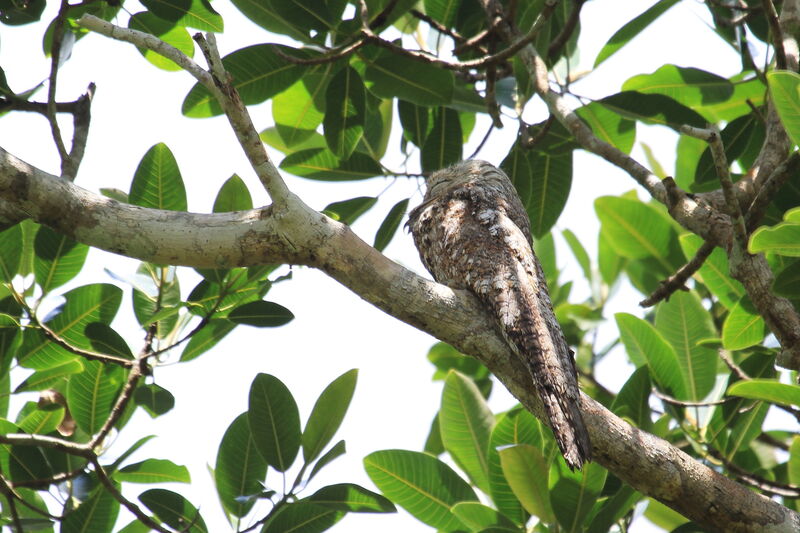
{"x": 473, "y": 233}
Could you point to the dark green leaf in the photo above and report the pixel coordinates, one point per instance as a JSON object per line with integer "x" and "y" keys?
{"x": 579, "y": 252}
{"x": 630, "y": 30}
{"x": 261, "y": 314}
{"x": 481, "y": 517}
{"x": 389, "y": 75}
{"x": 714, "y": 272}
{"x": 653, "y": 109}
{"x": 259, "y": 72}
{"x": 154, "y": 399}
{"x": 526, "y": 472}
{"x": 609, "y": 126}
{"x": 302, "y": 517}
{"x": 240, "y": 469}
{"x": 157, "y": 182}
{"x": 10, "y": 251}
{"x": 274, "y": 421}
{"x": 345, "y": 105}
{"x": 233, "y": 196}
{"x": 632, "y": 402}
{"x": 106, "y": 340}
{"x": 573, "y": 494}
{"x": 327, "y": 414}
{"x": 645, "y": 345}
{"x": 390, "y": 224}
{"x": 442, "y": 11}
{"x": 174, "y": 510}
{"x": 422, "y": 485}
{"x": 322, "y": 164}
{"x": 98, "y": 514}
{"x": 347, "y": 211}
{"x": 193, "y": 13}
{"x": 442, "y": 146}
{"x": 353, "y": 498}
{"x": 414, "y": 119}
{"x": 14, "y": 13}
{"x": 736, "y": 137}
{"x": 44, "y": 379}
{"x": 295, "y": 18}
{"x": 336, "y": 451}
{"x": 153, "y": 471}
{"x": 92, "y": 393}
{"x": 58, "y": 258}
{"x": 207, "y": 338}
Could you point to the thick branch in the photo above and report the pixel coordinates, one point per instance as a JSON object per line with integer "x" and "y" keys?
{"x": 302, "y": 236}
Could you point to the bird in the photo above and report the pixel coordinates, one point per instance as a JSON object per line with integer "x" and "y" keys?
{"x": 473, "y": 233}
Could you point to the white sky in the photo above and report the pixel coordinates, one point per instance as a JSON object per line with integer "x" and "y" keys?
{"x": 137, "y": 105}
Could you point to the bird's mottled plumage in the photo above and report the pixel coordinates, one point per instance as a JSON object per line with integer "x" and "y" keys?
{"x": 473, "y": 233}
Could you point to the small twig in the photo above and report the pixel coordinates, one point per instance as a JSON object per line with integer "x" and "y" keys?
{"x": 770, "y": 487}
{"x": 55, "y": 59}
{"x": 680, "y": 277}
{"x": 769, "y": 189}
{"x": 334, "y": 54}
{"x": 736, "y": 369}
{"x": 134, "y": 375}
{"x": 52, "y": 480}
{"x": 44, "y": 441}
{"x": 383, "y": 15}
{"x": 81, "y": 119}
{"x": 529, "y": 141}
{"x": 483, "y": 142}
{"x": 436, "y": 25}
{"x": 86, "y": 354}
{"x": 132, "y": 507}
{"x": 683, "y": 403}
{"x": 772, "y": 441}
{"x": 12, "y": 508}
{"x": 777, "y": 33}
{"x": 567, "y": 30}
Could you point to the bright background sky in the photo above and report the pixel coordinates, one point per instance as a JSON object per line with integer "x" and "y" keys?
{"x": 137, "y": 105}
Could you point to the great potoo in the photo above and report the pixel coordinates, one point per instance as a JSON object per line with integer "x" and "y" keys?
{"x": 473, "y": 233}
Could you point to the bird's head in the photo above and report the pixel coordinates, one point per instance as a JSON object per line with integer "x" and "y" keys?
{"x": 460, "y": 174}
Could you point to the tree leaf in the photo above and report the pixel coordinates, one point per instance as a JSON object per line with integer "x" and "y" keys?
{"x": 743, "y": 327}
{"x": 105, "y": 339}
{"x": 42, "y": 421}
{"x": 353, "y": 498}
{"x": 58, "y": 258}
{"x": 415, "y": 120}
{"x": 239, "y": 469}
{"x": 174, "y": 35}
{"x": 347, "y": 211}
{"x": 298, "y": 110}
{"x": 295, "y": 18}
{"x": 193, "y": 13}
{"x": 631, "y": 29}
{"x": 345, "y": 111}
{"x": 653, "y": 109}
{"x": 632, "y": 401}
{"x": 466, "y": 423}
{"x": 579, "y": 252}
{"x": 714, "y": 273}
{"x": 479, "y": 517}
{"x": 157, "y": 182}
{"x": 422, "y": 485}
{"x": 572, "y": 494}
{"x": 684, "y": 322}
{"x": 336, "y": 451}
{"x": 259, "y": 72}
{"x": 10, "y": 251}
{"x": 174, "y": 510}
{"x": 768, "y": 390}
{"x": 274, "y": 421}
{"x": 782, "y": 239}
{"x": 153, "y": 471}
{"x": 302, "y": 517}
{"x": 442, "y": 11}
{"x": 207, "y": 338}
{"x": 233, "y": 196}
{"x": 390, "y": 75}
{"x": 322, "y": 164}
{"x": 327, "y": 414}
{"x": 609, "y": 126}
{"x": 527, "y": 473}
{"x": 783, "y": 87}
{"x": 389, "y": 226}
{"x": 261, "y": 314}
{"x": 97, "y": 514}
{"x": 44, "y": 379}
{"x": 645, "y": 345}
{"x": 443, "y": 144}
{"x": 154, "y": 399}
{"x": 92, "y": 393}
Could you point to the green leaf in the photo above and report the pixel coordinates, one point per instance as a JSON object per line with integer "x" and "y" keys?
{"x": 153, "y": 471}
{"x": 58, "y": 258}
{"x": 653, "y": 109}
{"x": 345, "y": 105}
{"x": 84, "y": 305}
{"x": 10, "y": 251}
{"x": 233, "y": 196}
{"x": 782, "y": 239}
{"x": 613, "y": 510}
{"x": 302, "y": 517}
{"x": 389, "y": 226}
{"x": 207, "y": 338}
{"x": 196, "y": 14}
{"x": 783, "y": 87}
{"x": 298, "y": 110}
{"x": 645, "y": 345}
{"x": 466, "y": 423}
{"x": 261, "y": 314}
{"x": 42, "y": 421}
{"x": 389, "y": 75}
{"x": 579, "y": 252}
{"x": 442, "y": 11}
{"x": 295, "y": 18}
{"x": 542, "y": 176}
{"x": 743, "y": 326}
{"x": 274, "y": 137}
{"x": 609, "y": 126}
{"x": 684, "y": 322}
{"x": 259, "y": 72}
{"x": 690, "y": 86}
{"x": 322, "y": 164}
{"x": 572, "y": 494}
{"x": 527, "y": 473}
{"x": 327, "y": 414}
{"x": 239, "y": 469}
{"x": 738, "y": 135}
{"x": 104, "y": 339}
{"x": 157, "y": 182}
{"x": 747, "y": 427}
{"x": 174, "y": 510}
{"x": 793, "y": 469}
{"x": 19, "y": 13}
{"x": 415, "y": 121}
{"x": 98, "y": 514}
{"x": 44, "y": 379}
{"x": 632, "y": 401}
{"x": 353, "y": 498}
{"x": 92, "y": 393}
{"x": 479, "y": 517}
{"x": 274, "y": 421}
{"x": 422, "y": 485}
{"x": 636, "y": 230}
{"x": 171, "y": 34}
{"x": 714, "y": 273}
{"x": 767, "y": 390}
{"x": 336, "y": 451}
{"x": 347, "y": 211}
{"x": 154, "y": 399}
{"x": 631, "y": 29}
{"x": 443, "y": 145}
